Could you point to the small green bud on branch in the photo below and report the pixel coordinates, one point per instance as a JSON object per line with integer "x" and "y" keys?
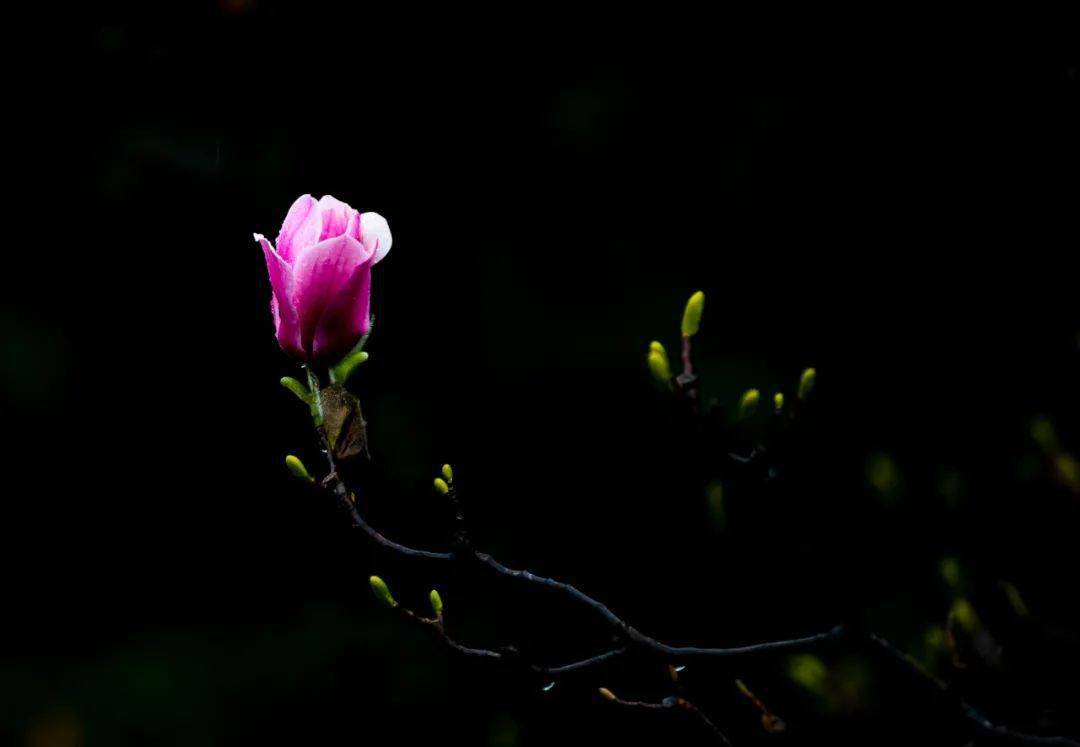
{"x": 297, "y": 468}
{"x": 448, "y": 472}
{"x": 382, "y": 592}
{"x": 441, "y": 486}
{"x": 436, "y": 602}
{"x": 778, "y": 401}
{"x": 691, "y": 321}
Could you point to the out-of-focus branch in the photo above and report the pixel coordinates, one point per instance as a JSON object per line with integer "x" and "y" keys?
{"x": 983, "y": 726}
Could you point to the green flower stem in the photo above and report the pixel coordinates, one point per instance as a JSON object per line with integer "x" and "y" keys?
{"x": 316, "y": 397}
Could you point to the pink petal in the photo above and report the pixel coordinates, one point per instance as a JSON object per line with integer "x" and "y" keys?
{"x": 346, "y": 319}
{"x": 375, "y": 233}
{"x": 335, "y": 217}
{"x": 301, "y": 228}
{"x": 286, "y": 323}
{"x": 353, "y": 226}
{"x": 322, "y": 273}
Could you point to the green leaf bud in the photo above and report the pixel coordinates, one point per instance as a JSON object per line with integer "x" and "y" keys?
{"x": 382, "y": 592}
{"x": 294, "y": 386}
{"x": 297, "y": 468}
{"x": 340, "y": 373}
{"x": 691, "y": 320}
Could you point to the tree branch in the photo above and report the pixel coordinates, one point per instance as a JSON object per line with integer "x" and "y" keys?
{"x": 980, "y": 722}
{"x": 639, "y": 641}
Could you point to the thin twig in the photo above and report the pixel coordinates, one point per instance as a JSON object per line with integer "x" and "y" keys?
{"x": 508, "y": 653}
{"x": 635, "y": 636}
{"x": 667, "y": 703}
{"x": 577, "y": 666}
{"x": 769, "y": 720}
{"x": 687, "y": 360}
{"x": 686, "y": 381}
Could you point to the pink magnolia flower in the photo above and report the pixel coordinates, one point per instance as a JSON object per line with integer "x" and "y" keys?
{"x": 320, "y": 274}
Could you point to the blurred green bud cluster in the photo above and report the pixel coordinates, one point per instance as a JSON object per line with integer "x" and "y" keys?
{"x": 808, "y": 671}
{"x": 949, "y": 568}
{"x": 748, "y": 403}
{"x": 964, "y": 613}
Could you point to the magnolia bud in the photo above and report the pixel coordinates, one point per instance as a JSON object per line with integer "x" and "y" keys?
{"x": 448, "y": 472}
{"x": 660, "y": 368}
{"x": 778, "y": 401}
{"x": 606, "y": 694}
{"x": 748, "y": 403}
{"x": 441, "y": 486}
{"x": 382, "y": 592}
{"x": 806, "y": 382}
{"x": 691, "y": 320}
{"x": 297, "y": 468}
{"x": 436, "y": 602}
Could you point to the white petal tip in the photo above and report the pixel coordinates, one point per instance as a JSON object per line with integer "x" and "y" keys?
{"x": 375, "y": 230}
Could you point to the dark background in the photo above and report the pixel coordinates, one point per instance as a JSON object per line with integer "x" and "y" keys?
{"x": 891, "y": 200}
